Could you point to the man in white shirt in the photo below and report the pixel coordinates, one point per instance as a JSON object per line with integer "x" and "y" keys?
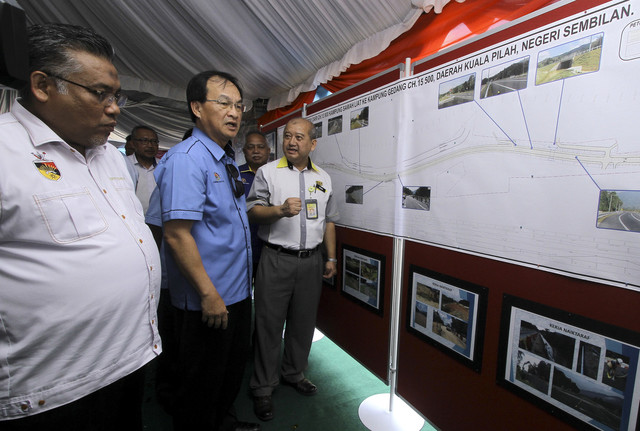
{"x": 292, "y": 200}
{"x": 79, "y": 269}
{"x": 144, "y": 141}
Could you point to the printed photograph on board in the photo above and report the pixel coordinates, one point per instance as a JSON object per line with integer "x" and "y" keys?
{"x": 457, "y": 91}
{"x": 334, "y": 125}
{"x": 585, "y": 370}
{"x": 362, "y": 275}
{"x": 448, "y": 313}
{"x": 354, "y": 195}
{"x": 569, "y": 59}
{"x": 619, "y": 210}
{"x": 360, "y": 118}
{"x": 504, "y": 78}
{"x": 416, "y": 198}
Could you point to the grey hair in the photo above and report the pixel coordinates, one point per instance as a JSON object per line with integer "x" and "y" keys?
{"x": 51, "y": 48}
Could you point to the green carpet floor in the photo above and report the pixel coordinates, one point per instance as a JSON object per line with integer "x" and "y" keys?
{"x": 342, "y": 386}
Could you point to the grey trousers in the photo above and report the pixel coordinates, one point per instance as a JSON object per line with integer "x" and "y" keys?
{"x": 287, "y": 289}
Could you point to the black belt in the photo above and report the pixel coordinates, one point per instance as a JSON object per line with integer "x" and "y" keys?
{"x": 298, "y": 253}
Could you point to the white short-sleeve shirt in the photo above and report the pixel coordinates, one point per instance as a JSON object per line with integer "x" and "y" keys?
{"x": 278, "y": 180}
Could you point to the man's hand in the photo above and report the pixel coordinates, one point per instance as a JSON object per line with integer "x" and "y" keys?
{"x": 330, "y": 269}
{"x": 291, "y": 207}
{"x": 214, "y": 311}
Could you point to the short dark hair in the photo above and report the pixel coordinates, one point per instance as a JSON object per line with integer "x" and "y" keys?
{"x": 254, "y": 132}
{"x": 141, "y": 127}
{"x": 51, "y": 46}
{"x": 197, "y": 87}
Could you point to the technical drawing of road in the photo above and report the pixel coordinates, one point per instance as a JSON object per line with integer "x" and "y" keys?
{"x": 515, "y": 173}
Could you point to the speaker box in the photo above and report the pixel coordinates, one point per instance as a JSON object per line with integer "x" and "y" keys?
{"x": 14, "y": 57}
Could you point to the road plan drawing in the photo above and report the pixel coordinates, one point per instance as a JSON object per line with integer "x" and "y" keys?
{"x": 526, "y": 151}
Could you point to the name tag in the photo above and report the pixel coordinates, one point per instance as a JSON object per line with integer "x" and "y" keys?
{"x": 312, "y": 208}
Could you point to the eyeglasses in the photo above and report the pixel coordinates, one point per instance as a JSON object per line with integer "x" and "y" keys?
{"x": 146, "y": 141}
{"x": 105, "y": 97}
{"x": 226, "y": 104}
{"x": 233, "y": 173}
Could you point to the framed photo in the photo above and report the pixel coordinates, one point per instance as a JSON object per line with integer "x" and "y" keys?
{"x": 581, "y": 370}
{"x": 363, "y": 277}
{"x": 448, "y": 313}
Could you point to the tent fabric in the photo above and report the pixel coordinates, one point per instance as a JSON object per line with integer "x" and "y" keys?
{"x": 431, "y": 34}
{"x": 272, "y": 46}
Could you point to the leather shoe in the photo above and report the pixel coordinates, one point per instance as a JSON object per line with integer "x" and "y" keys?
{"x": 263, "y": 407}
{"x": 246, "y": 426}
{"x": 304, "y": 386}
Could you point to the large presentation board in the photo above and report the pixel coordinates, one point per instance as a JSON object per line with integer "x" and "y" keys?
{"x": 525, "y": 151}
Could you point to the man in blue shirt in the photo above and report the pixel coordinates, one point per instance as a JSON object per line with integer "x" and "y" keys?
{"x": 256, "y": 153}
{"x": 208, "y": 258}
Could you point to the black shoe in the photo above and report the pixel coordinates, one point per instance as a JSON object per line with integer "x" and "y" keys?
{"x": 263, "y": 407}
{"x": 304, "y": 386}
{"x": 246, "y": 426}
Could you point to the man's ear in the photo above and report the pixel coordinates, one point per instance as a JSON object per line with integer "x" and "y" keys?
{"x": 195, "y": 108}
{"x": 39, "y": 86}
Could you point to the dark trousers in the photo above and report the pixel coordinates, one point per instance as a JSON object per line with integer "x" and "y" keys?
{"x": 288, "y": 290}
{"x": 114, "y": 407}
{"x": 211, "y": 365}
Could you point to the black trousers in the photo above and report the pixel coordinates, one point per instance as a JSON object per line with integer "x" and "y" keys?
{"x": 114, "y": 407}
{"x": 211, "y": 365}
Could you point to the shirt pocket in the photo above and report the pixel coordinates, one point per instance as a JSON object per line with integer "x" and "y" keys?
{"x": 70, "y": 215}
{"x": 128, "y": 194}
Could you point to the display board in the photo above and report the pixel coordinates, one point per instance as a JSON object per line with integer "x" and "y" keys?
{"x": 524, "y": 151}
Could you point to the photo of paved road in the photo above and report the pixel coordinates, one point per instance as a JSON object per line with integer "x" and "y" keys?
{"x": 619, "y": 210}
{"x": 508, "y": 77}
{"x": 596, "y": 401}
{"x": 334, "y": 125}
{"x": 457, "y": 91}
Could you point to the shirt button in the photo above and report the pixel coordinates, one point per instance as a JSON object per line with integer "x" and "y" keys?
{"x": 123, "y": 216}
{"x": 140, "y": 240}
{"x": 151, "y": 268}
{"x": 155, "y": 346}
{"x": 41, "y": 402}
{"x": 153, "y": 322}
{"x": 24, "y": 407}
{"x": 104, "y": 191}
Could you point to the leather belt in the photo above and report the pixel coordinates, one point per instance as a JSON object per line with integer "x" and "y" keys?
{"x": 297, "y": 253}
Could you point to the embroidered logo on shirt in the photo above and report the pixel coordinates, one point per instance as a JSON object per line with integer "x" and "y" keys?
{"x": 217, "y": 176}
{"x": 47, "y": 168}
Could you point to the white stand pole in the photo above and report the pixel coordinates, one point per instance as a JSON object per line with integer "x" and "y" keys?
{"x": 386, "y": 412}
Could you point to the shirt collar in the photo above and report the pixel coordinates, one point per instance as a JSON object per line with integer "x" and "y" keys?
{"x": 284, "y": 163}
{"x": 215, "y": 150}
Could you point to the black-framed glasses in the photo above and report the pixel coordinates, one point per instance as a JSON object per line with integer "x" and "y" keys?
{"x": 227, "y": 104}
{"x": 238, "y": 186}
{"x": 105, "y": 97}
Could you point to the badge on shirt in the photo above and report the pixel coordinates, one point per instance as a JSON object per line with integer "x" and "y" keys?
{"x": 47, "y": 168}
{"x": 312, "y": 208}
{"x": 319, "y": 186}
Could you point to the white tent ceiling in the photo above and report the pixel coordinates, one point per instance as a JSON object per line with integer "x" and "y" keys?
{"x": 277, "y": 48}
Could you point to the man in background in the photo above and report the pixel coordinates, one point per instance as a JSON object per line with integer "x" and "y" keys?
{"x": 80, "y": 271}
{"x": 144, "y": 141}
{"x": 292, "y": 199}
{"x": 256, "y": 153}
{"x": 208, "y": 258}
